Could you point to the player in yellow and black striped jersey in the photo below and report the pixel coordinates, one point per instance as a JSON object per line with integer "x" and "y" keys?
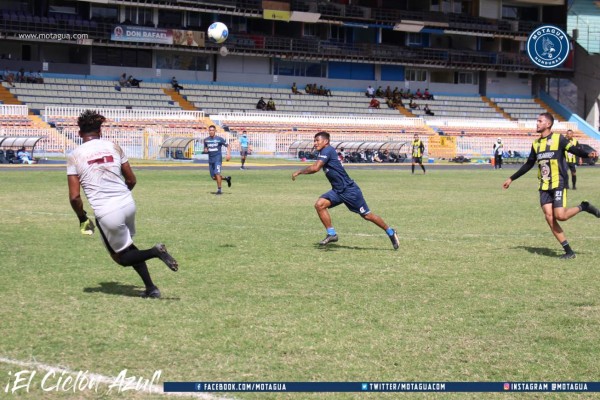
{"x": 549, "y": 152}
{"x": 418, "y": 148}
{"x": 571, "y": 161}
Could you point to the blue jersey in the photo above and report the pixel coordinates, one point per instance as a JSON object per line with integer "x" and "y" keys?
{"x": 244, "y": 142}
{"x": 334, "y": 171}
{"x": 214, "y": 144}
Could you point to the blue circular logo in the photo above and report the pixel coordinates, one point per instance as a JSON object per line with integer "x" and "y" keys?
{"x": 548, "y": 46}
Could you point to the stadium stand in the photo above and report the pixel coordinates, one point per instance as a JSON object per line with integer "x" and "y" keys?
{"x": 467, "y": 107}
{"x": 441, "y": 48}
{"x": 520, "y": 108}
{"x": 214, "y": 99}
{"x": 91, "y": 93}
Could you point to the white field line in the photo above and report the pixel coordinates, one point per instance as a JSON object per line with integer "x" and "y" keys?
{"x": 154, "y": 389}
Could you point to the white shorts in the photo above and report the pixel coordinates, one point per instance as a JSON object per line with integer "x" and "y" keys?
{"x": 117, "y": 228}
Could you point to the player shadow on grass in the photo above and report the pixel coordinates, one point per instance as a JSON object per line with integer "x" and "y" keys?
{"x": 119, "y": 289}
{"x": 335, "y": 246}
{"x": 542, "y": 251}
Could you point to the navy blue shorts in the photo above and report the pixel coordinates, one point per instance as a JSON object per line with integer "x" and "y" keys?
{"x": 557, "y": 197}
{"x": 352, "y": 197}
{"x": 214, "y": 168}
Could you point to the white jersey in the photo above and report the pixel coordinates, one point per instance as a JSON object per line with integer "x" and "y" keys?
{"x": 98, "y": 165}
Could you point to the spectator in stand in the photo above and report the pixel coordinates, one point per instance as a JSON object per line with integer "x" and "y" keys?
{"x": 175, "y": 85}
{"x": 39, "y": 78}
{"x": 395, "y": 92}
{"x": 389, "y": 102}
{"x": 370, "y": 92}
{"x": 295, "y": 89}
{"x": 9, "y": 77}
{"x": 271, "y": 105}
{"x": 374, "y": 103}
{"x": 324, "y": 91}
{"x": 21, "y": 76}
{"x": 261, "y": 105}
{"x": 398, "y": 101}
{"x": 428, "y": 111}
{"x": 408, "y": 94}
{"x": 427, "y": 95}
{"x": 379, "y": 92}
{"x": 29, "y": 77}
{"x": 413, "y": 105}
{"x": 418, "y": 94}
{"x": 133, "y": 82}
{"x": 123, "y": 80}
{"x": 388, "y": 92}
{"x": 308, "y": 88}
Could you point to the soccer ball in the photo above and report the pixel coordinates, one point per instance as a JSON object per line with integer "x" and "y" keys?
{"x": 218, "y": 32}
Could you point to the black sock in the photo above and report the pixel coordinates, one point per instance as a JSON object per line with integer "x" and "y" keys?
{"x": 243, "y": 162}
{"x": 574, "y": 181}
{"x": 423, "y": 167}
{"x": 142, "y": 270}
{"x": 566, "y": 247}
{"x": 413, "y": 168}
{"x": 134, "y": 256}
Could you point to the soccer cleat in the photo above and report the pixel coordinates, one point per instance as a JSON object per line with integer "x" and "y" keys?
{"x": 228, "y": 179}
{"x": 242, "y": 168}
{"x": 587, "y": 207}
{"x": 567, "y": 256}
{"x": 87, "y": 227}
{"x": 166, "y": 257}
{"x": 395, "y": 240}
{"x": 218, "y": 192}
{"x": 329, "y": 239}
{"x": 153, "y": 293}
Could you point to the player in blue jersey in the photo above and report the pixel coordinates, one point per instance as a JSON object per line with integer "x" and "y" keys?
{"x": 343, "y": 190}
{"x": 212, "y": 146}
{"x": 243, "y": 148}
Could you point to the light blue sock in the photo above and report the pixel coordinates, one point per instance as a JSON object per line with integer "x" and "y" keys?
{"x": 389, "y": 231}
{"x": 331, "y": 231}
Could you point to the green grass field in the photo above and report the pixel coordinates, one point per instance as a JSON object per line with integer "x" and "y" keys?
{"x": 475, "y": 293}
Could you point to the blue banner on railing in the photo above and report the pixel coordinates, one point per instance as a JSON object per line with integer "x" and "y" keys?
{"x": 382, "y": 386}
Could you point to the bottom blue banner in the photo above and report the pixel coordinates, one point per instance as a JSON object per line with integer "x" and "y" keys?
{"x": 382, "y": 386}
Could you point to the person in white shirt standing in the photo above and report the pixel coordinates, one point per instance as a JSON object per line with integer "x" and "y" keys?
{"x": 102, "y": 169}
{"x": 498, "y": 150}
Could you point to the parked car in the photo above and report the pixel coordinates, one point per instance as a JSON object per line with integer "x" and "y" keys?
{"x": 588, "y": 160}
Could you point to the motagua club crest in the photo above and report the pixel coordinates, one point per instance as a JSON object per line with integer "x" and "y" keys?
{"x": 548, "y": 46}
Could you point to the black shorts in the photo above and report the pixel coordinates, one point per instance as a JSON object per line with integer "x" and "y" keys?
{"x": 572, "y": 167}
{"x": 557, "y": 197}
{"x": 418, "y": 160}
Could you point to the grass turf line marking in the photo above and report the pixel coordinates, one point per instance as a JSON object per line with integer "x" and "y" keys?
{"x": 155, "y": 389}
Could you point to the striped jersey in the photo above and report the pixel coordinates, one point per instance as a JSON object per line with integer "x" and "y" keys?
{"x": 549, "y": 152}
{"x": 572, "y": 158}
{"x": 418, "y": 148}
